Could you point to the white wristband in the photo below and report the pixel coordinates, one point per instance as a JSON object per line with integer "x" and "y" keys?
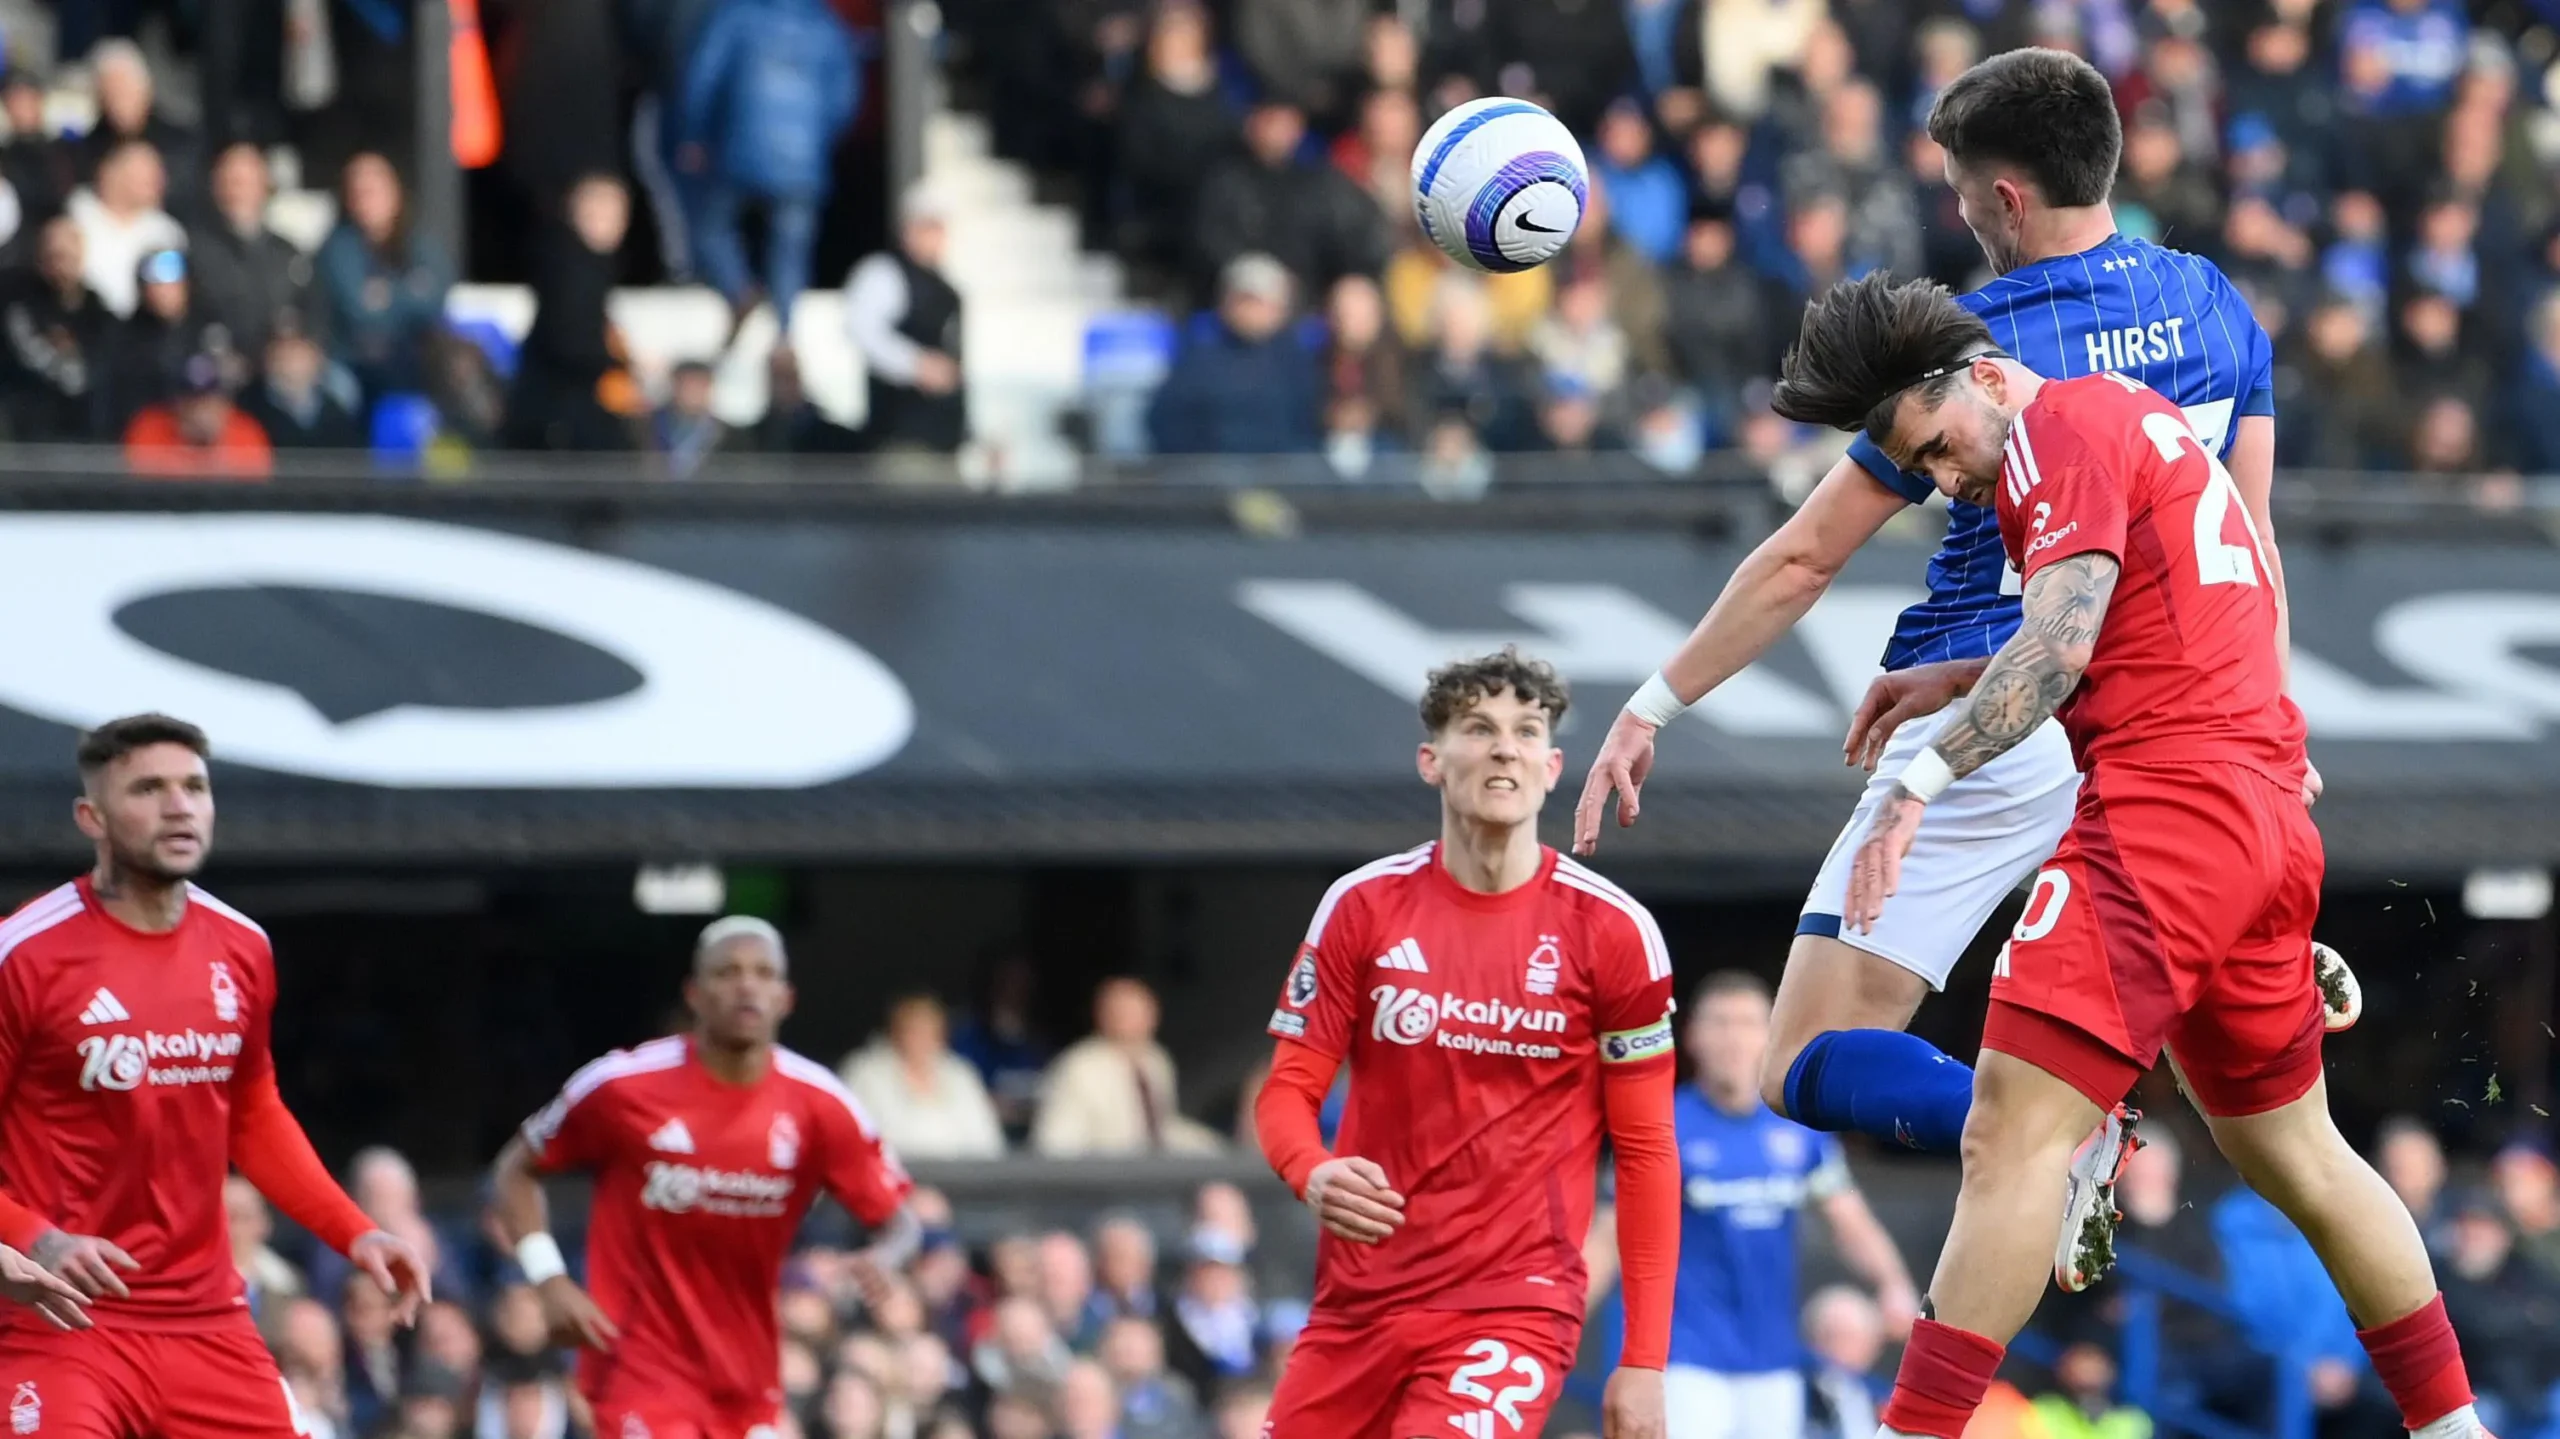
{"x": 1928, "y": 775}
{"x": 538, "y": 1255}
{"x": 1655, "y": 704}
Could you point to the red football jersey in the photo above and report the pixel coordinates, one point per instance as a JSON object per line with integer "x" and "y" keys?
{"x": 119, "y": 1051}
{"x": 1475, "y": 1026}
{"x": 2185, "y": 666}
{"x": 699, "y": 1187}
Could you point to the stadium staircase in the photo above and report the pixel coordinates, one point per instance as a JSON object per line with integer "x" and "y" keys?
{"x": 1032, "y": 292}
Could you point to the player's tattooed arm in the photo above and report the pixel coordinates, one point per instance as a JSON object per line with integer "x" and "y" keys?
{"x": 2020, "y": 689}
{"x": 2027, "y": 681}
{"x": 1897, "y": 697}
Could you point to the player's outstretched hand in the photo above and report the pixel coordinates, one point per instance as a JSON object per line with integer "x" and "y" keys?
{"x": 394, "y": 1266}
{"x": 1352, "y": 1200}
{"x": 90, "y": 1264}
{"x": 1899, "y": 696}
{"x": 574, "y": 1317}
{"x": 1631, "y": 1407}
{"x": 1876, "y": 872}
{"x": 24, "y": 1281}
{"x": 2313, "y": 786}
{"x": 1625, "y": 758}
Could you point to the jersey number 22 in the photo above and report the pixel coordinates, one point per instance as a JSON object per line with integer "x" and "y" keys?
{"x": 1492, "y": 1357}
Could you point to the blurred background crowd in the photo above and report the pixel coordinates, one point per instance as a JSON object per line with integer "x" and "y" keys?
{"x": 1247, "y": 277}
{"x": 2376, "y": 174}
{"x": 208, "y": 277}
{"x": 1163, "y": 1309}
{"x": 1027, "y": 1336}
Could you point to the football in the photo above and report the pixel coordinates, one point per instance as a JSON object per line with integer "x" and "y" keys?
{"x": 1499, "y": 184}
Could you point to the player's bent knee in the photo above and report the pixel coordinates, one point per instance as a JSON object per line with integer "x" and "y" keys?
{"x": 1992, "y": 1143}
{"x": 2020, "y": 1110}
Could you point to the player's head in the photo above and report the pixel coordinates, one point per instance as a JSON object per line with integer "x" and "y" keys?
{"x": 740, "y": 988}
{"x": 1727, "y": 1035}
{"x": 383, "y": 1183}
{"x": 2026, "y": 133}
{"x": 1843, "y": 1325}
{"x": 2149, "y": 1184}
{"x": 1489, "y": 729}
{"x": 918, "y": 1028}
{"x": 146, "y": 797}
{"x": 1914, "y": 369}
{"x": 1126, "y": 1011}
{"x": 245, "y": 1209}
{"x": 2411, "y": 1159}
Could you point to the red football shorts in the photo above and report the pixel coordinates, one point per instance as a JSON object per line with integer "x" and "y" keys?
{"x": 626, "y": 1419}
{"x": 1424, "y": 1374}
{"x": 2177, "y": 912}
{"x": 123, "y": 1384}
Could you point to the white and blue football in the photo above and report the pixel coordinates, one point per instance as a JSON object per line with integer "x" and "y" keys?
{"x": 1499, "y": 185}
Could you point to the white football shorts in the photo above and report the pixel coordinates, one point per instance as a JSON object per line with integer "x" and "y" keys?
{"x": 1703, "y": 1404}
{"x": 1978, "y": 841}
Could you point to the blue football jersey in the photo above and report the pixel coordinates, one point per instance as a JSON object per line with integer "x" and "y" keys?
{"x": 1744, "y": 1178}
{"x": 2165, "y": 317}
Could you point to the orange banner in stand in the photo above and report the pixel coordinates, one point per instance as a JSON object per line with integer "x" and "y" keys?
{"x": 477, "y": 134}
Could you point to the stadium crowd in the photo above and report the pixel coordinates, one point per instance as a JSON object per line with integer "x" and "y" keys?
{"x": 198, "y": 342}
{"x": 1143, "y": 1323}
{"x": 2376, "y": 173}
{"x": 1052, "y": 1333}
{"x": 147, "y": 301}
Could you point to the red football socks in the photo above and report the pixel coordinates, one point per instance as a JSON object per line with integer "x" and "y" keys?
{"x": 2420, "y": 1362}
{"x": 1945, "y": 1372}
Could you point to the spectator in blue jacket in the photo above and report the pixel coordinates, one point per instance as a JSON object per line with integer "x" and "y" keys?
{"x": 771, "y": 85}
{"x": 2402, "y": 57}
{"x": 2398, "y": 63}
{"x": 1648, "y": 200}
{"x": 2290, "y": 1309}
{"x": 382, "y": 287}
{"x": 1242, "y": 383}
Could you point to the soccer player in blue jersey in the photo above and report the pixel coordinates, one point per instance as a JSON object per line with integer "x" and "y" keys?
{"x": 1737, "y": 1368}
{"x": 2032, "y": 139}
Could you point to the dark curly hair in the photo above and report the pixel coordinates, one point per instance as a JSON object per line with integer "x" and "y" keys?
{"x": 1867, "y": 341}
{"x": 1456, "y": 685}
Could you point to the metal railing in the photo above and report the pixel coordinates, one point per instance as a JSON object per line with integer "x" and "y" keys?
{"x": 2149, "y": 1284}
{"x": 912, "y": 75}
